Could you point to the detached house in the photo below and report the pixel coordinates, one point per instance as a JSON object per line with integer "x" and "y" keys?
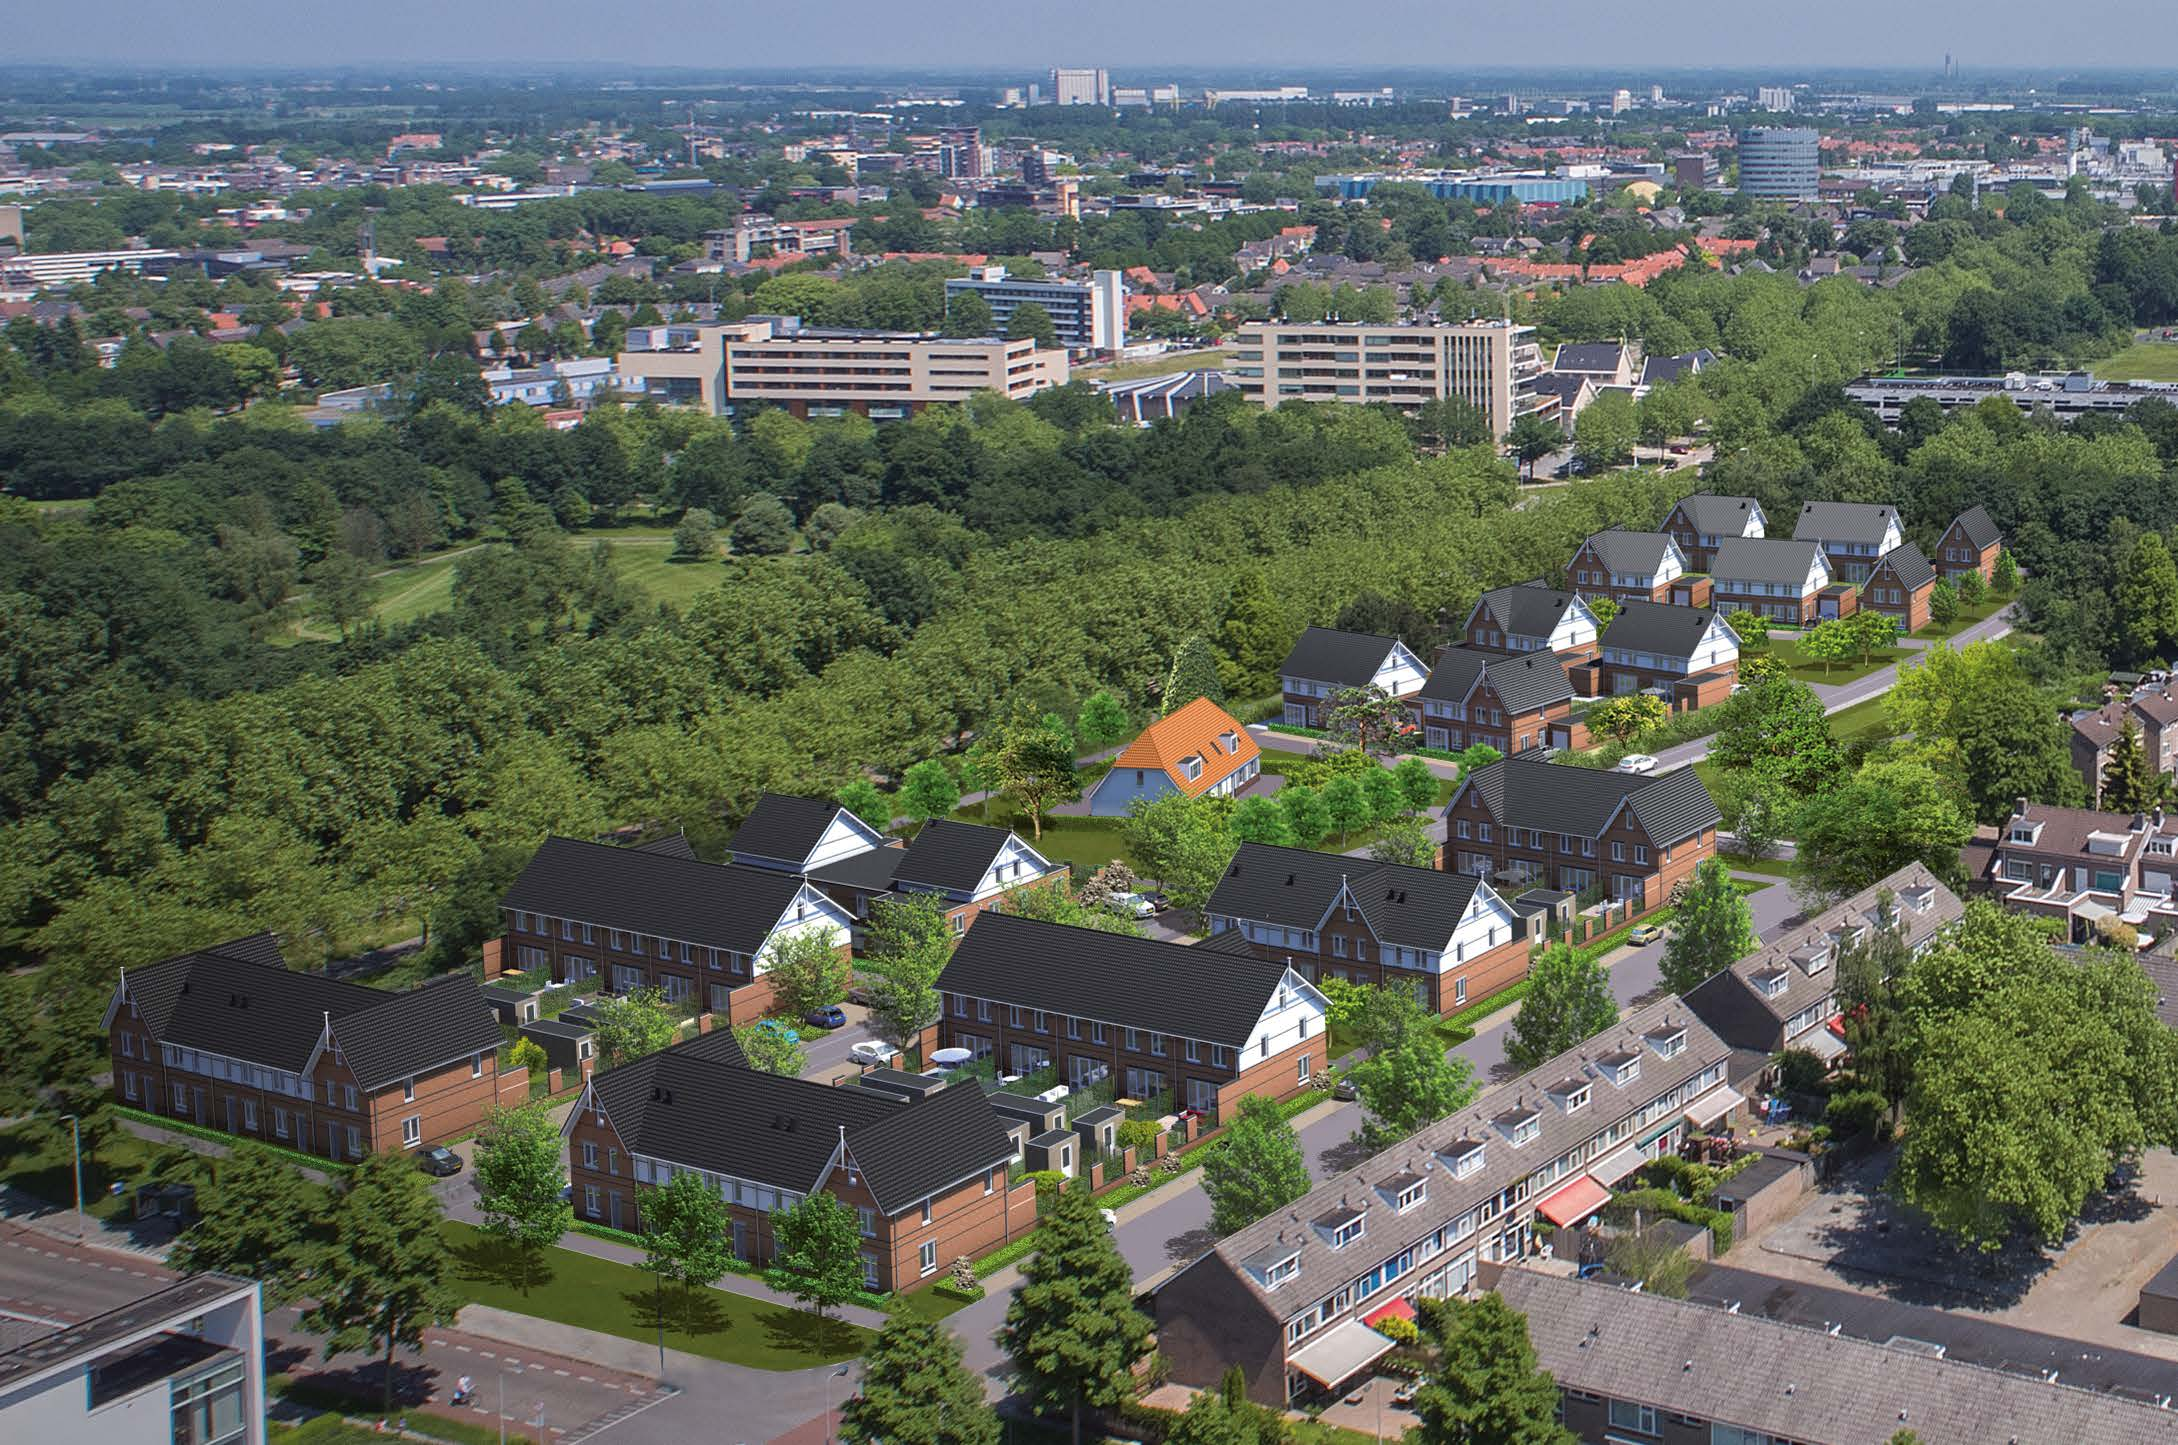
{"x": 1514, "y": 704}
{"x": 1785, "y": 996}
{"x": 1852, "y": 535}
{"x": 926, "y": 1177}
{"x": 966, "y": 867}
{"x": 1788, "y": 581}
{"x": 1446, "y": 938}
{"x": 1690, "y": 655}
{"x": 1970, "y": 544}
{"x": 1702, "y": 523}
{"x": 1900, "y": 586}
{"x": 1204, "y": 1025}
{"x": 230, "y": 1038}
{"x": 1290, "y": 1298}
{"x": 633, "y": 918}
{"x": 2087, "y": 868}
{"x": 1636, "y": 567}
{"x": 1326, "y": 661}
{"x": 1606, "y": 363}
{"x": 2154, "y": 713}
{"x": 1199, "y": 751}
{"x": 1534, "y": 618}
{"x": 1625, "y": 835}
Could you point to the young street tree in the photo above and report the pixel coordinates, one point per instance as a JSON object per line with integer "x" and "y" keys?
{"x": 260, "y": 1218}
{"x": 1622, "y": 719}
{"x": 909, "y": 943}
{"x": 1488, "y": 1386}
{"x": 687, "y": 1231}
{"x": 817, "y": 1252}
{"x": 807, "y": 971}
{"x": 927, "y": 791}
{"x": 1405, "y": 840}
{"x": 633, "y": 1024}
{"x": 1072, "y": 1331}
{"x": 1712, "y": 929}
{"x": 1532, "y": 438}
{"x": 772, "y": 1048}
{"x": 382, "y": 1282}
{"x": 695, "y": 537}
{"x": 1257, "y": 1167}
{"x": 916, "y": 1390}
{"x": 1568, "y": 1000}
{"x": 1407, "y": 1080}
{"x": 1102, "y": 721}
{"x": 519, "y": 1177}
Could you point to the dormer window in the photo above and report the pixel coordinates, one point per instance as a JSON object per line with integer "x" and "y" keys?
{"x": 1812, "y": 960}
{"x": 1412, "y": 1195}
{"x": 1620, "y": 1068}
{"x": 1230, "y": 742}
{"x": 1191, "y": 767}
{"x": 1403, "y": 1191}
{"x": 1281, "y": 1271}
{"x": 1577, "y": 1100}
{"x": 2025, "y": 832}
{"x": 1520, "y": 1124}
{"x": 1669, "y": 1044}
{"x": 1921, "y": 900}
{"x": 1342, "y": 1226}
{"x": 1771, "y": 982}
{"x": 1463, "y": 1157}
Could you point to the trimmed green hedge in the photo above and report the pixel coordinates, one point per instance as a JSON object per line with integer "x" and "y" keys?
{"x": 733, "y": 1266}
{"x": 1662, "y": 1201}
{"x": 948, "y": 1290}
{"x": 1004, "y": 1255}
{"x": 217, "y": 1136}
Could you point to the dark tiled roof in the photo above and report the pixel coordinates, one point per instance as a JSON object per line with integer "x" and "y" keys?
{"x": 1561, "y": 798}
{"x": 245, "y": 1010}
{"x": 1908, "y": 566}
{"x": 1844, "y": 522}
{"x": 672, "y": 845}
{"x": 1530, "y": 609}
{"x": 1524, "y": 683}
{"x": 1564, "y": 385}
{"x": 732, "y": 907}
{"x": 1656, "y": 370}
{"x": 1715, "y": 516}
{"x": 873, "y": 869}
{"x": 1296, "y": 887}
{"x": 950, "y": 856}
{"x": 1632, "y": 553}
{"x": 1975, "y": 525}
{"x": 696, "y": 1105}
{"x": 1658, "y": 628}
{"x": 1801, "y": 1382}
{"x": 1765, "y": 559}
{"x": 1349, "y": 659}
{"x": 1589, "y": 356}
{"x": 783, "y": 826}
{"x": 1198, "y": 993}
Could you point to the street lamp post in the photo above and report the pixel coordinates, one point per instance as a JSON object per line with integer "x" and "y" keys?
{"x": 830, "y": 1375}
{"x": 75, "y": 1148}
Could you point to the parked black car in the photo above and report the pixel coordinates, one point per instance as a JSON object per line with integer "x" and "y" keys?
{"x": 440, "y": 1161}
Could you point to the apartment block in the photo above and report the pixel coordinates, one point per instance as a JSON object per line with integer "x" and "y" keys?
{"x": 1201, "y": 1025}
{"x": 754, "y": 233}
{"x": 1491, "y": 364}
{"x": 1290, "y": 1298}
{"x": 2153, "y": 710}
{"x": 926, "y": 1176}
{"x": 1447, "y": 939}
{"x": 723, "y": 367}
{"x": 1087, "y": 316}
{"x": 232, "y": 1039}
{"x": 1630, "y": 837}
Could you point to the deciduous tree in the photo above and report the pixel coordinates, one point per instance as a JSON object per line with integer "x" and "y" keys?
{"x": 1256, "y": 1168}
{"x": 1405, "y": 839}
{"x": 382, "y": 1282}
{"x": 807, "y": 971}
{"x": 927, "y": 791}
{"x": 915, "y": 1388}
{"x": 772, "y": 1046}
{"x": 519, "y": 1177}
{"x": 1407, "y": 1080}
{"x": 1711, "y": 929}
{"x": 1625, "y": 718}
{"x": 258, "y": 1218}
{"x": 909, "y": 943}
{"x": 866, "y": 801}
{"x": 1568, "y": 1000}
{"x": 1184, "y": 843}
{"x": 1103, "y": 720}
{"x": 687, "y": 1233}
{"x": 1889, "y": 814}
{"x": 1036, "y": 769}
{"x": 817, "y": 1252}
{"x": 1487, "y": 1386}
{"x": 631, "y": 1025}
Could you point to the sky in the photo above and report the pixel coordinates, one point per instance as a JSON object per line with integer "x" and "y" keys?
{"x": 1139, "y": 37}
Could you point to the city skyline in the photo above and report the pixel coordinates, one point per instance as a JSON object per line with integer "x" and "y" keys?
{"x": 2008, "y": 35}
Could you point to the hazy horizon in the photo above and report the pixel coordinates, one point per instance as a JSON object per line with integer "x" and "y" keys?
{"x": 1138, "y": 37}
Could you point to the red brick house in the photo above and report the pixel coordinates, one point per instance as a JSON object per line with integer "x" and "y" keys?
{"x": 1514, "y": 704}
{"x": 1446, "y": 937}
{"x": 1324, "y": 661}
{"x": 1204, "y": 1025}
{"x": 1702, "y": 523}
{"x": 1533, "y": 618}
{"x": 1636, "y": 567}
{"x": 2087, "y": 868}
{"x": 659, "y": 917}
{"x": 1689, "y": 655}
{"x": 2154, "y": 711}
{"x": 1852, "y": 535}
{"x": 232, "y": 1039}
{"x": 1626, "y": 836}
{"x": 1970, "y": 544}
{"x": 926, "y": 1177}
{"x": 1900, "y": 587}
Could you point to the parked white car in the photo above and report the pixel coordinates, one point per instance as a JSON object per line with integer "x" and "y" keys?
{"x": 1132, "y": 905}
{"x": 874, "y": 1052}
{"x": 1637, "y": 763}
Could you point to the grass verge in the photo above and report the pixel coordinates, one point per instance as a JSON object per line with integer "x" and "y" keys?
{"x": 617, "y": 1299}
{"x": 44, "y": 1166}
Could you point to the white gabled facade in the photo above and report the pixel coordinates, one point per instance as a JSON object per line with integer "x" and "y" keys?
{"x": 1295, "y": 1011}
{"x": 1016, "y": 863}
{"x": 1401, "y": 672}
{"x": 810, "y": 912}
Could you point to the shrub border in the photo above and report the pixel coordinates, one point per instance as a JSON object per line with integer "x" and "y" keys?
{"x": 217, "y": 1136}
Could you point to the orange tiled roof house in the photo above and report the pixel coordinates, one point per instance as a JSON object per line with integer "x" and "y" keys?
{"x": 1199, "y": 751}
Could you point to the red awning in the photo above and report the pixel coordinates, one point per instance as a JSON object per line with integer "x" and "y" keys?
{"x": 1398, "y": 1308}
{"x": 1572, "y": 1202}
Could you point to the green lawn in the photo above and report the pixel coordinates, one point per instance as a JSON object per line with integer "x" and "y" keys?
{"x": 1803, "y": 669}
{"x": 643, "y": 564}
{"x": 44, "y": 1167}
{"x": 1774, "y": 867}
{"x": 1968, "y": 616}
{"x": 618, "y": 1299}
{"x": 2142, "y": 361}
{"x": 1211, "y": 360}
{"x": 1863, "y": 719}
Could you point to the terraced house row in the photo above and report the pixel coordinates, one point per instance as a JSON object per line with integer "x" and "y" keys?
{"x": 1291, "y": 1297}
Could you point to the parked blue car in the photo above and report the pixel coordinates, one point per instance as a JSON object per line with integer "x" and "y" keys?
{"x": 831, "y": 1016}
